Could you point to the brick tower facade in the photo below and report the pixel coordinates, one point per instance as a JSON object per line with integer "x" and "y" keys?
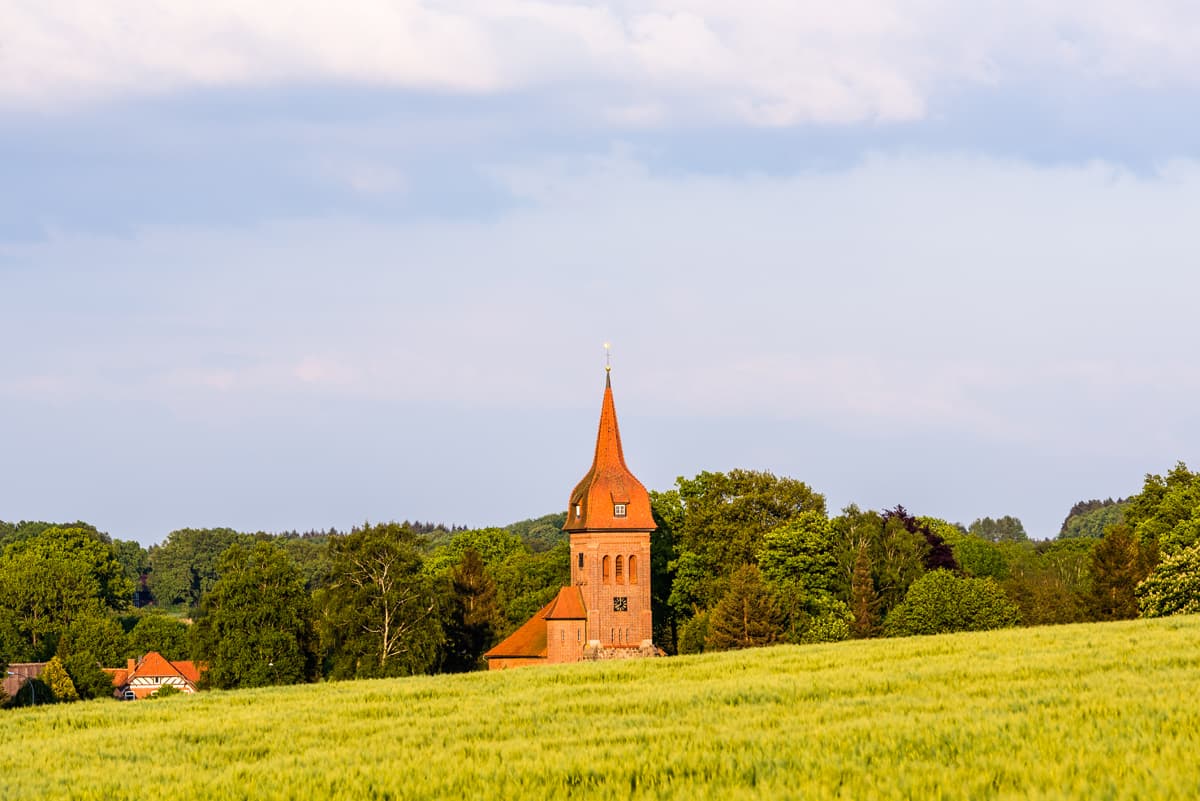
{"x": 605, "y": 613}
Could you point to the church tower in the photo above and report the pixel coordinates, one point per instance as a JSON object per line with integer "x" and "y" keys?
{"x": 609, "y": 521}
{"x": 605, "y": 612}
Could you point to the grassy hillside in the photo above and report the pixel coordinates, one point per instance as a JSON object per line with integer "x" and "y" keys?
{"x": 1090, "y": 711}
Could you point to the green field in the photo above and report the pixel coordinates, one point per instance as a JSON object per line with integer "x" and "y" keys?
{"x": 1089, "y": 711}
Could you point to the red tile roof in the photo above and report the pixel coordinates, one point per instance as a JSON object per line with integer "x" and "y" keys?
{"x": 120, "y": 676}
{"x": 188, "y": 670}
{"x": 609, "y": 482}
{"x": 155, "y": 664}
{"x": 529, "y": 641}
{"x": 567, "y": 605}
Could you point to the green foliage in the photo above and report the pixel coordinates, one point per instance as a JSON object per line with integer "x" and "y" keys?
{"x": 979, "y": 557}
{"x": 1167, "y": 511}
{"x": 88, "y": 677}
{"x": 541, "y": 533}
{"x": 1120, "y": 562}
{"x": 102, "y": 638}
{"x": 84, "y": 544}
{"x": 1003, "y": 529}
{"x": 667, "y": 509}
{"x": 1050, "y": 581}
{"x": 44, "y": 589}
{"x": 797, "y": 562}
{"x": 255, "y": 626}
{"x": 493, "y": 545}
{"x": 940, "y": 602}
{"x": 1174, "y": 586}
{"x": 133, "y": 558}
{"x": 59, "y": 681}
{"x": 185, "y": 566}
{"x": 311, "y": 555}
{"x": 165, "y": 691}
{"x": 13, "y": 646}
{"x": 156, "y": 631}
{"x": 726, "y": 515}
{"x": 379, "y": 615}
{"x": 526, "y": 581}
{"x": 828, "y": 620}
{"x": 693, "y": 634}
{"x": 709, "y": 527}
{"x": 1081, "y": 712}
{"x": 897, "y": 547}
{"x": 1090, "y": 519}
{"x": 747, "y": 616}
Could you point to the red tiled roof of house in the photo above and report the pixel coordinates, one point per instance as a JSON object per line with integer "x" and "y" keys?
{"x": 155, "y": 664}
{"x": 189, "y": 670}
{"x": 608, "y": 483}
{"x": 120, "y": 676}
{"x": 528, "y": 641}
{"x": 567, "y": 605}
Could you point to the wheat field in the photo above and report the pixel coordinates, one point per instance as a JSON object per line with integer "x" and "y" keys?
{"x": 1097, "y": 711}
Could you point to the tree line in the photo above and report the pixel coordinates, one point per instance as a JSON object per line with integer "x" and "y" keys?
{"x": 739, "y": 559}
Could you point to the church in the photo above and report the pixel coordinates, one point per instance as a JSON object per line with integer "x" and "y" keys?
{"x": 605, "y": 612}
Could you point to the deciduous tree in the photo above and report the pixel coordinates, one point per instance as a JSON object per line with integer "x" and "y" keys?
{"x": 255, "y": 625}
{"x": 185, "y": 566}
{"x": 379, "y": 613}
{"x": 157, "y": 631}
{"x": 941, "y": 602}
{"x": 1173, "y": 588}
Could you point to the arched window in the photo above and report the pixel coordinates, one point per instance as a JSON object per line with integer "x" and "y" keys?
{"x": 632, "y": 569}
{"x": 620, "y": 569}
{"x": 606, "y": 569}
{"x": 578, "y": 634}
{"x": 612, "y": 636}
{"x": 563, "y": 635}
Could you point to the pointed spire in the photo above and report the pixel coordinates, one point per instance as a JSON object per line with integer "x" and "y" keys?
{"x": 609, "y": 496}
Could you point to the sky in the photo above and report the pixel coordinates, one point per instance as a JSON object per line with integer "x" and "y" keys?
{"x": 287, "y": 266}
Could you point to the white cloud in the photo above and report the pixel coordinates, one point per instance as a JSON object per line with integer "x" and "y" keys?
{"x": 762, "y": 62}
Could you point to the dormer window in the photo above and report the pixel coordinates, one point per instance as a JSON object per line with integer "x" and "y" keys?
{"x": 578, "y": 509}
{"x": 618, "y": 510}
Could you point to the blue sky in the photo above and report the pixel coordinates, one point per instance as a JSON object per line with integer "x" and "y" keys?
{"x": 277, "y": 266}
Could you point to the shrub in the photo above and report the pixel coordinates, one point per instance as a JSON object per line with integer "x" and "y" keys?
{"x": 941, "y": 602}
{"x": 56, "y": 677}
{"x": 166, "y": 691}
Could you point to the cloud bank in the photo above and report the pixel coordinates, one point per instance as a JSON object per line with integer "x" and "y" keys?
{"x": 756, "y": 62}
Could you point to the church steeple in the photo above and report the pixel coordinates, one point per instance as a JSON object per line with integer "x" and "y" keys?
{"x": 609, "y": 497}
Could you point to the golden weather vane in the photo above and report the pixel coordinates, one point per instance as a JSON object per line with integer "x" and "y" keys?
{"x": 607, "y": 357}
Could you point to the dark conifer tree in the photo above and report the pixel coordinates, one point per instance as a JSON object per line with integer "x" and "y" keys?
{"x": 864, "y": 601}
{"x": 474, "y": 612}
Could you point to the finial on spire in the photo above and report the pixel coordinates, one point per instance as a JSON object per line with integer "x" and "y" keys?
{"x": 607, "y": 357}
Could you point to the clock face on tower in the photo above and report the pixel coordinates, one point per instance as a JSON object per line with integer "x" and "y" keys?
{"x": 621, "y": 604}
